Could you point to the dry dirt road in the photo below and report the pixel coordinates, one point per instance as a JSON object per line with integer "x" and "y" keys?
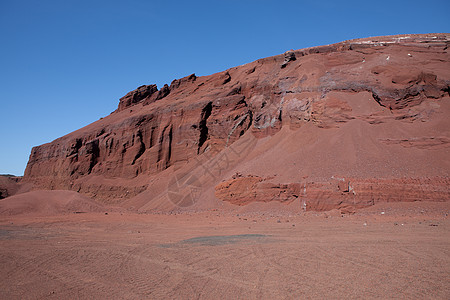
{"x": 401, "y": 253}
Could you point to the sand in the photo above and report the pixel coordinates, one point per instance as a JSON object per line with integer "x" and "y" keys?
{"x": 389, "y": 251}
{"x": 46, "y": 203}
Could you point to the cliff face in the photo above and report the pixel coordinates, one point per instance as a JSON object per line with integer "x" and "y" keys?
{"x": 373, "y": 112}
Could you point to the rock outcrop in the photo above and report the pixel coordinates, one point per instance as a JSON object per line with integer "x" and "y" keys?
{"x": 140, "y": 94}
{"x": 345, "y": 194}
{"x": 373, "y": 110}
{"x": 9, "y": 185}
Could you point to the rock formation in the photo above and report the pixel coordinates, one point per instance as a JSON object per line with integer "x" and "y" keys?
{"x": 338, "y": 126}
{"x": 9, "y": 185}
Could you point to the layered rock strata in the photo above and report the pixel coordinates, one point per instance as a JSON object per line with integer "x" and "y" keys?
{"x": 376, "y": 84}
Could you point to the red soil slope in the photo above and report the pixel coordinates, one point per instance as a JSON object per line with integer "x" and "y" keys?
{"x": 45, "y": 203}
{"x": 340, "y": 126}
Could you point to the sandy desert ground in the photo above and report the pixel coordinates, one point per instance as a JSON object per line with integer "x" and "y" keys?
{"x": 389, "y": 251}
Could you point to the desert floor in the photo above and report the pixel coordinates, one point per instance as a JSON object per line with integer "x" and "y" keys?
{"x": 387, "y": 251}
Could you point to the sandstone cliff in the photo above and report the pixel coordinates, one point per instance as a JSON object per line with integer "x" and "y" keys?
{"x": 338, "y": 126}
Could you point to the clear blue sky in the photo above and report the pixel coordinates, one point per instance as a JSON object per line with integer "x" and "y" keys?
{"x": 65, "y": 63}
